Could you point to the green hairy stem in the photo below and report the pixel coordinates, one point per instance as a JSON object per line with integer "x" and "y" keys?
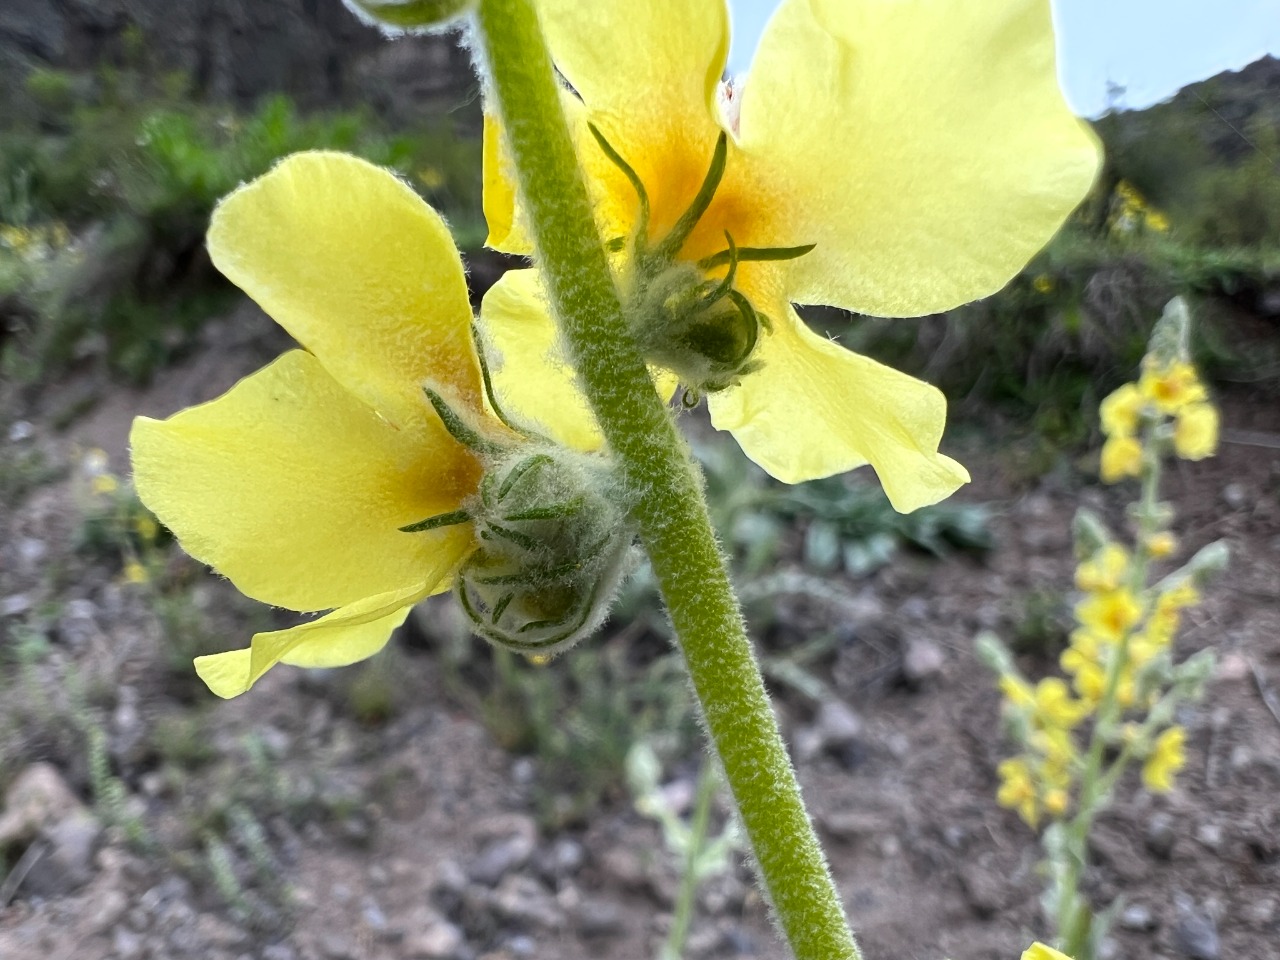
{"x": 667, "y": 505}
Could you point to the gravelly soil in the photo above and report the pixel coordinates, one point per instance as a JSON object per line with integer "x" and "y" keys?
{"x": 419, "y": 836}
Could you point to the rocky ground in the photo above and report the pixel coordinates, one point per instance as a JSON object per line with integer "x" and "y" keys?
{"x": 409, "y": 809}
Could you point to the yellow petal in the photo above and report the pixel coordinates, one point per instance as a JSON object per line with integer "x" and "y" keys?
{"x": 651, "y": 69}
{"x": 347, "y": 635}
{"x": 816, "y": 409}
{"x": 1040, "y": 951}
{"x": 534, "y": 381}
{"x": 508, "y": 231}
{"x": 360, "y": 271}
{"x": 924, "y": 147}
{"x": 294, "y": 489}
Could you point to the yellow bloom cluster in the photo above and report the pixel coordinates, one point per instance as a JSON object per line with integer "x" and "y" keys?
{"x": 1132, "y": 213}
{"x": 32, "y": 243}
{"x": 1166, "y": 392}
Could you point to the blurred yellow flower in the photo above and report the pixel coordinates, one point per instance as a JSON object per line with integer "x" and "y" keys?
{"x": 1018, "y": 790}
{"x": 1043, "y": 283}
{"x": 906, "y": 157}
{"x": 294, "y": 483}
{"x": 1121, "y": 411}
{"x": 1162, "y": 544}
{"x": 1167, "y": 757}
{"x": 1105, "y": 570}
{"x": 1109, "y": 616}
{"x": 1172, "y": 387}
{"x": 1121, "y": 457}
{"x": 104, "y": 484}
{"x": 1195, "y": 435}
{"x": 135, "y": 573}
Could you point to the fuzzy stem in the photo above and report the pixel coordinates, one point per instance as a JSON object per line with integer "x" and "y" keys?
{"x": 668, "y": 507}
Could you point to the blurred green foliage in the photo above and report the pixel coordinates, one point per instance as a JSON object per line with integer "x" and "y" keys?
{"x": 107, "y": 182}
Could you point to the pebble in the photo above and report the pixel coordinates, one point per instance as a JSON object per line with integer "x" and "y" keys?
{"x": 922, "y": 661}
{"x": 984, "y": 890}
{"x": 1209, "y": 835}
{"x": 126, "y": 944}
{"x": 279, "y": 951}
{"x": 1137, "y": 917}
{"x": 21, "y": 430}
{"x": 1160, "y": 835}
{"x": 68, "y": 862}
{"x": 1235, "y": 496}
{"x": 523, "y": 900}
{"x": 515, "y": 838}
{"x": 439, "y": 940}
{"x": 16, "y": 604}
{"x": 836, "y": 728}
{"x": 598, "y": 918}
{"x": 1195, "y": 934}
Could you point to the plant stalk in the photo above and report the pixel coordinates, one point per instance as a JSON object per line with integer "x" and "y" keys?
{"x": 653, "y": 463}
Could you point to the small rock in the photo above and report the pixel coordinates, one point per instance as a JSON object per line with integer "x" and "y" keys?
{"x": 1195, "y": 935}
{"x": 914, "y": 608}
{"x": 336, "y": 946}
{"x": 1262, "y": 912}
{"x": 1209, "y": 835}
{"x": 522, "y": 945}
{"x": 523, "y": 900}
{"x": 623, "y": 866}
{"x": 67, "y": 863}
{"x": 598, "y": 918}
{"x": 984, "y": 889}
{"x": 1233, "y": 666}
{"x": 1235, "y": 496}
{"x": 126, "y": 944}
{"x": 31, "y": 551}
{"x": 922, "y": 661}
{"x": 523, "y": 771}
{"x": 110, "y": 908}
{"x": 1160, "y": 835}
{"x": 836, "y": 728}
{"x": 1137, "y": 917}
{"x": 279, "y": 951}
{"x": 515, "y": 838}
{"x": 37, "y": 797}
{"x": 564, "y": 858}
{"x": 21, "y": 430}
{"x": 439, "y": 940}
{"x": 16, "y": 604}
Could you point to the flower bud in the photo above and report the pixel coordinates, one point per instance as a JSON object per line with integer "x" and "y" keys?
{"x": 554, "y": 544}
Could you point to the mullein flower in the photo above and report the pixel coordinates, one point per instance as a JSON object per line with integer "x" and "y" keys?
{"x": 892, "y": 159}
{"x": 370, "y": 469}
{"x": 1167, "y": 757}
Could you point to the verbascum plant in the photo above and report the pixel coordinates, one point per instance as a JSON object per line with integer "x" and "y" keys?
{"x": 891, "y": 158}
{"x": 1076, "y": 739}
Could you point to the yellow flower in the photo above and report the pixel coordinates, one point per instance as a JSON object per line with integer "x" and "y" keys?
{"x": 1172, "y": 387}
{"x": 1109, "y": 616}
{"x": 1043, "y": 283}
{"x": 1162, "y": 544}
{"x": 1105, "y": 570}
{"x": 1054, "y": 705}
{"x": 1156, "y": 221}
{"x": 1121, "y": 457}
{"x": 294, "y": 483}
{"x": 1167, "y": 757}
{"x": 1018, "y": 790}
{"x": 135, "y": 573}
{"x": 1039, "y": 951}
{"x": 103, "y": 484}
{"x": 1196, "y": 434}
{"x": 1121, "y": 411}
{"x": 908, "y": 158}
